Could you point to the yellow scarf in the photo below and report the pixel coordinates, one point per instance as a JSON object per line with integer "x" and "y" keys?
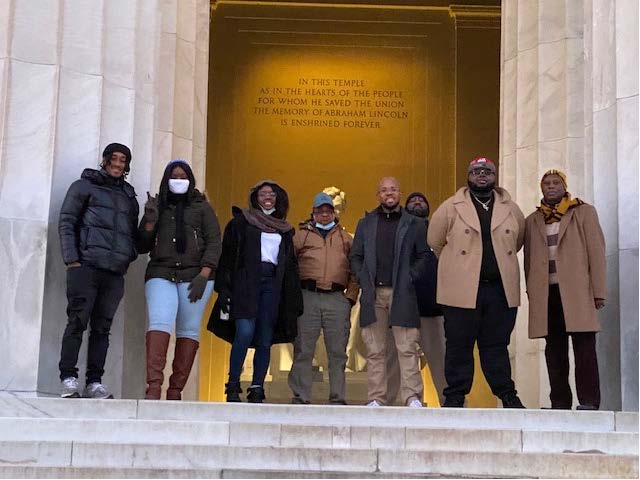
{"x": 554, "y": 213}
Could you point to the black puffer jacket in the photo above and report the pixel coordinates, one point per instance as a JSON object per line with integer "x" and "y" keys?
{"x": 98, "y": 222}
{"x": 202, "y": 242}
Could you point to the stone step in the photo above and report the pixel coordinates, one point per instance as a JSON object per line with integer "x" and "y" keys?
{"x": 545, "y": 420}
{"x": 549, "y": 420}
{"x": 72, "y": 472}
{"x": 173, "y": 432}
{"x": 297, "y": 459}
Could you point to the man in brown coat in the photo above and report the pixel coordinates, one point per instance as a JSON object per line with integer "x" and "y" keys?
{"x": 476, "y": 235}
{"x": 565, "y": 268}
{"x": 329, "y": 290}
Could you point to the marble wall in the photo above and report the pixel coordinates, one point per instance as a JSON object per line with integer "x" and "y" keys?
{"x": 78, "y": 74}
{"x": 570, "y": 100}
{"x": 75, "y": 76}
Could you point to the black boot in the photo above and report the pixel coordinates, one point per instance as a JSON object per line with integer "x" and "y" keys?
{"x": 255, "y": 394}
{"x": 453, "y": 402}
{"x": 233, "y": 391}
{"x": 511, "y": 400}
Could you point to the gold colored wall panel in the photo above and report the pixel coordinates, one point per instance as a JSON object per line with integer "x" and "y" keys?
{"x": 258, "y": 48}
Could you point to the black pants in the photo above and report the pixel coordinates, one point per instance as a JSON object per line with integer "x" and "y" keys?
{"x": 490, "y": 324}
{"x": 557, "y": 355}
{"x": 93, "y": 296}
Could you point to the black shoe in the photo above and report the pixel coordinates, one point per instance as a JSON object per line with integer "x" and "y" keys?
{"x": 511, "y": 400}
{"x": 298, "y": 401}
{"x": 255, "y": 394}
{"x": 233, "y": 391}
{"x": 453, "y": 402}
{"x": 587, "y": 407}
{"x": 337, "y": 402}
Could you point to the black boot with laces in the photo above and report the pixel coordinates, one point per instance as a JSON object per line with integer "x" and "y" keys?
{"x": 255, "y": 394}
{"x": 233, "y": 391}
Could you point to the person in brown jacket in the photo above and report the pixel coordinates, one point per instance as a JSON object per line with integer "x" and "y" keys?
{"x": 329, "y": 290}
{"x": 476, "y": 235}
{"x": 565, "y": 269}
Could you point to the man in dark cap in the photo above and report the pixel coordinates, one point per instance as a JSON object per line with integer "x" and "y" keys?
{"x": 476, "y": 234}
{"x": 431, "y": 320}
{"x": 329, "y": 290}
{"x": 97, "y": 228}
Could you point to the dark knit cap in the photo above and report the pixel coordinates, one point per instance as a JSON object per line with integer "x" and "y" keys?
{"x": 117, "y": 147}
{"x": 416, "y": 194}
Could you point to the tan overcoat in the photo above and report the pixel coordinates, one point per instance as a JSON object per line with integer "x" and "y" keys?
{"x": 581, "y": 267}
{"x": 455, "y": 236}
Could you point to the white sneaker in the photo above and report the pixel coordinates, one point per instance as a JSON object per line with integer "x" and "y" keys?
{"x": 415, "y": 403}
{"x": 96, "y": 390}
{"x": 374, "y": 403}
{"x": 70, "y": 388}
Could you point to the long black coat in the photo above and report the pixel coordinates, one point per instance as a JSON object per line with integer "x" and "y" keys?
{"x": 98, "y": 222}
{"x": 238, "y": 275}
{"x": 426, "y": 285}
{"x": 408, "y": 266}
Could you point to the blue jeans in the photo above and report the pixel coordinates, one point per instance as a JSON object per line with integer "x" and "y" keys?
{"x": 260, "y": 331}
{"x": 169, "y": 307}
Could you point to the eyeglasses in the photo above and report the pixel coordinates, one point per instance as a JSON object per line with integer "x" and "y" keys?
{"x": 481, "y": 171}
{"x": 266, "y": 194}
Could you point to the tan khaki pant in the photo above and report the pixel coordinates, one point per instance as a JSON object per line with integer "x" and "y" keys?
{"x": 406, "y": 343}
{"x": 433, "y": 346}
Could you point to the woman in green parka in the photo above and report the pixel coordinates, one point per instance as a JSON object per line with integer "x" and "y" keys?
{"x": 181, "y": 232}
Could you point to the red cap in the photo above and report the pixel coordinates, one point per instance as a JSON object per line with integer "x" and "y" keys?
{"x": 482, "y": 162}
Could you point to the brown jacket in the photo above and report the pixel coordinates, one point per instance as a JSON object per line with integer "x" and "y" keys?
{"x": 581, "y": 267}
{"x": 326, "y": 260}
{"x": 454, "y": 235}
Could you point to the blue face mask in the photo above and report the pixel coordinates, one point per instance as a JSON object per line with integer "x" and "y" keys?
{"x": 328, "y": 226}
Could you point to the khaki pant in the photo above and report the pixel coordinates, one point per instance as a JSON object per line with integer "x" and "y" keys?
{"x": 406, "y": 343}
{"x": 328, "y": 312}
{"x": 433, "y": 346}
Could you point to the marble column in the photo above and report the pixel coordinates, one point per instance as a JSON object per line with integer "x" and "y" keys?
{"x": 181, "y": 120}
{"x": 74, "y": 76}
{"x": 569, "y": 100}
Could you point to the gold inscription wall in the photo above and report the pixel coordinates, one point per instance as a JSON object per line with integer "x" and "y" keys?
{"x": 311, "y": 119}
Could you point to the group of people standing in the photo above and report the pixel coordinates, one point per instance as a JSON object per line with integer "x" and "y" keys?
{"x": 437, "y": 288}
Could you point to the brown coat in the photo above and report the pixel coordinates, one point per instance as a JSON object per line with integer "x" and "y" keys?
{"x": 581, "y": 267}
{"x": 326, "y": 260}
{"x": 454, "y": 235}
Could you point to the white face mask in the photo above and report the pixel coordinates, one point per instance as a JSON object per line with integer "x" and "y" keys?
{"x": 178, "y": 185}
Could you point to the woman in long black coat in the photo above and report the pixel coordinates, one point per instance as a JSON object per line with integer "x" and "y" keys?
{"x": 259, "y": 297}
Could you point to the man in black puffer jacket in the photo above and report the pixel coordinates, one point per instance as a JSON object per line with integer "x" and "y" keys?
{"x": 431, "y": 320}
{"x": 97, "y": 228}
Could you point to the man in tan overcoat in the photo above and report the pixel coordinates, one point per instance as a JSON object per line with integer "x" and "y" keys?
{"x": 476, "y": 235}
{"x": 565, "y": 268}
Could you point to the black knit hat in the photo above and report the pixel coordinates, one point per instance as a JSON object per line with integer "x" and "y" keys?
{"x": 421, "y": 195}
{"x": 416, "y": 194}
{"x": 116, "y": 147}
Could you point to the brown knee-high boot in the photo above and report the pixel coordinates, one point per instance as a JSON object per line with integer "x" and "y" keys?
{"x": 186, "y": 350}
{"x": 157, "y": 344}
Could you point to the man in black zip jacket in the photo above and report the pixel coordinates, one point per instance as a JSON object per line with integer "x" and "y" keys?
{"x": 97, "y": 228}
